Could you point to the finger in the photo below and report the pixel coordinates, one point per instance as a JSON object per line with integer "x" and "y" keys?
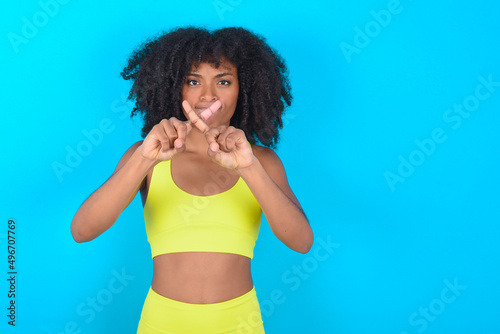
{"x": 182, "y": 129}
{"x": 212, "y": 137}
{"x": 158, "y": 132}
{"x": 207, "y": 113}
{"x": 230, "y": 141}
{"x": 227, "y": 138}
{"x": 195, "y": 120}
{"x": 215, "y": 155}
{"x": 169, "y": 131}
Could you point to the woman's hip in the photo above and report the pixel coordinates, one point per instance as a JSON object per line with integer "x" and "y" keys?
{"x": 240, "y": 315}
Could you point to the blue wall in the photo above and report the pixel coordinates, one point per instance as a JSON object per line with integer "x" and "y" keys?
{"x": 391, "y": 145}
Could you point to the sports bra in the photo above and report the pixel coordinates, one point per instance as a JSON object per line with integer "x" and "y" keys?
{"x": 177, "y": 221}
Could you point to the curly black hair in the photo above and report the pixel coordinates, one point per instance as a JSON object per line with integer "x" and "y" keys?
{"x": 158, "y": 70}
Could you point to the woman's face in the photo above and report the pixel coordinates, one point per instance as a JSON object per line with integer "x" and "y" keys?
{"x": 206, "y": 84}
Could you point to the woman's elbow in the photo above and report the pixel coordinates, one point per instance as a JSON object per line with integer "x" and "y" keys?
{"x": 78, "y": 236}
{"x": 306, "y": 243}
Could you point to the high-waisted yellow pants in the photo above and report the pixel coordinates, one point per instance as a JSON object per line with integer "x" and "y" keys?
{"x": 240, "y": 315}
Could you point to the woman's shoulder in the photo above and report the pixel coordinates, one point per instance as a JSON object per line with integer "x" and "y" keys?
{"x": 267, "y": 157}
{"x": 264, "y": 152}
{"x": 134, "y": 146}
{"x": 132, "y": 149}
{"x": 128, "y": 153}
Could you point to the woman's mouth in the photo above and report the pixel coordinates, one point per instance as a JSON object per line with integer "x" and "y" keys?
{"x": 206, "y": 113}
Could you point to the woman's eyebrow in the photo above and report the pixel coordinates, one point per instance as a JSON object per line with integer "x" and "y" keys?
{"x": 217, "y": 76}
{"x": 223, "y": 74}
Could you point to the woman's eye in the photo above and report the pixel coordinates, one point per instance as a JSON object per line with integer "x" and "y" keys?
{"x": 224, "y": 82}
{"x": 192, "y": 82}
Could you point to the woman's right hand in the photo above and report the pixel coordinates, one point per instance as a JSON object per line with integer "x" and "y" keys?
{"x": 166, "y": 139}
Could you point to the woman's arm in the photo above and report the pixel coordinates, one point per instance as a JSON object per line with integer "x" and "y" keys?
{"x": 267, "y": 179}
{"x": 263, "y": 171}
{"x": 101, "y": 209}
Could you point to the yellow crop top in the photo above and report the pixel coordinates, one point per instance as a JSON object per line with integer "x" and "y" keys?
{"x": 177, "y": 221}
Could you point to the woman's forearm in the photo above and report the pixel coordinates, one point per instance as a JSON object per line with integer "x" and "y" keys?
{"x": 284, "y": 215}
{"x": 101, "y": 209}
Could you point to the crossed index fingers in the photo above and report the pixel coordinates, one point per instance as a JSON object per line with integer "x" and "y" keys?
{"x": 194, "y": 118}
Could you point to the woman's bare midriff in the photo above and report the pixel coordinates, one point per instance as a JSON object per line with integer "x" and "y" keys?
{"x": 201, "y": 278}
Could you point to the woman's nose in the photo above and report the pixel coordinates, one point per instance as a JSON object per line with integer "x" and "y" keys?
{"x": 208, "y": 93}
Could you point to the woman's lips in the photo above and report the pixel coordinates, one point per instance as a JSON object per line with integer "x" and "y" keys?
{"x": 206, "y": 113}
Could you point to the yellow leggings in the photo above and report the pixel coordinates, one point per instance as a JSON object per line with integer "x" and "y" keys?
{"x": 161, "y": 315}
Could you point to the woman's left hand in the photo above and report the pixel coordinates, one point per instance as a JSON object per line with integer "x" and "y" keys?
{"x": 227, "y": 145}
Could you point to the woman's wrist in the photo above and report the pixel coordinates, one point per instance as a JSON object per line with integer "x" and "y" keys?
{"x": 143, "y": 162}
{"x": 248, "y": 169}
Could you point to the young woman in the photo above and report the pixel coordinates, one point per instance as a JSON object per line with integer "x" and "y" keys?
{"x": 208, "y": 99}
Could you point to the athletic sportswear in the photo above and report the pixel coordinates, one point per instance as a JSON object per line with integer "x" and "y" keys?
{"x": 176, "y": 221}
{"x": 162, "y": 315}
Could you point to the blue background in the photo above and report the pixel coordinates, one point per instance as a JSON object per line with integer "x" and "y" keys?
{"x": 399, "y": 248}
